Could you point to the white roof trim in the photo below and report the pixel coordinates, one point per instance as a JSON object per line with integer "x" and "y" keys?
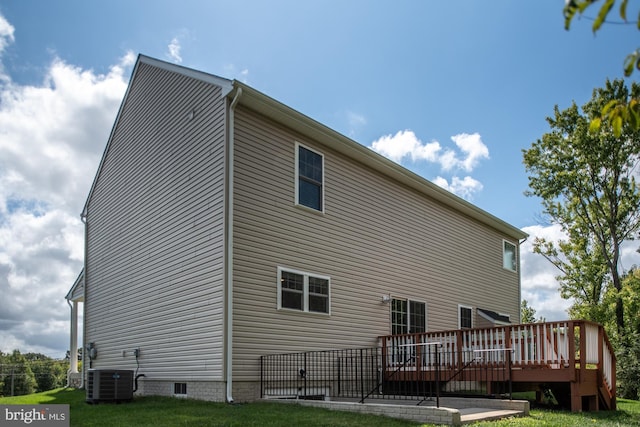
{"x": 76, "y": 293}
{"x": 225, "y": 84}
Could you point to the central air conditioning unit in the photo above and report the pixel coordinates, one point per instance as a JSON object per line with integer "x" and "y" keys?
{"x": 109, "y": 385}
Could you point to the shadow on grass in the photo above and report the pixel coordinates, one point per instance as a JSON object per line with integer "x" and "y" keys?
{"x": 67, "y": 396}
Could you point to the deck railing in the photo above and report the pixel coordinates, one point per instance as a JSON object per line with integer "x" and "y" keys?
{"x": 574, "y": 345}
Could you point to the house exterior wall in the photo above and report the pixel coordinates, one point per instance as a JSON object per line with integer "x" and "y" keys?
{"x": 155, "y": 235}
{"x": 376, "y": 237}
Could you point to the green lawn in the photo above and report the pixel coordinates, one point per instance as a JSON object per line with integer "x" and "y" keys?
{"x": 163, "y": 411}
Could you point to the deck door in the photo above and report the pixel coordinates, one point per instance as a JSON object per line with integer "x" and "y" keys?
{"x": 408, "y": 316}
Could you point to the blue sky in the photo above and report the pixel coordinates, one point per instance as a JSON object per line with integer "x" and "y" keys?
{"x": 452, "y": 90}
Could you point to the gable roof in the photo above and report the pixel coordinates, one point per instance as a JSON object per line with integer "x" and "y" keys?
{"x": 281, "y": 113}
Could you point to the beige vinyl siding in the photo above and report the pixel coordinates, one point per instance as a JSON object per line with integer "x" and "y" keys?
{"x": 155, "y": 278}
{"x": 376, "y": 237}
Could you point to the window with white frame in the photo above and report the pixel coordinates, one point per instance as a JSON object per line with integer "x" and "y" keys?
{"x": 309, "y": 178}
{"x": 509, "y": 260}
{"x": 465, "y": 317}
{"x": 303, "y": 291}
{"x": 408, "y": 316}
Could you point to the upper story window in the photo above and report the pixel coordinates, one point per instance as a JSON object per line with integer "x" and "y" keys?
{"x": 303, "y": 291}
{"x": 509, "y": 259}
{"x": 464, "y": 317}
{"x": 309, "y": 178}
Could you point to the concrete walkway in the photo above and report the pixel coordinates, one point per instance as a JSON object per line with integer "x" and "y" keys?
{"x": 452, "y": 411}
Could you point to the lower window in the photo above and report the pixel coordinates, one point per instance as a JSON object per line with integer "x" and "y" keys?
{"x": 465, "y": 317}
{"x": 303, "y": 291}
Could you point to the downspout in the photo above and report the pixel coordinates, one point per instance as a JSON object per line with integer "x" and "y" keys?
{"x": 520, "y": 243}
{"x": 229, "y": 266}
{"x": 71, "y": 346}
{"x": 83, "y": 218}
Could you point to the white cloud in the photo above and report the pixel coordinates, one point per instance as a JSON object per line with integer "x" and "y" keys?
{"x": 6, "y": 38}
{"x": 52, "y": 135}
{"x": 406, "y": 146}
{"x": 465, "y": 187}
{"x": 473, "y": 149}
{"x": 539, "y": 285}
{"x": 6, "y": 33}
{"x": 174, "y": 50}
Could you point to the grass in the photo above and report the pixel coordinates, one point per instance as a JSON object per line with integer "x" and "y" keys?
{"x": 164, "y": 411}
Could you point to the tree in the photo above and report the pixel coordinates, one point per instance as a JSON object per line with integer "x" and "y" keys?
{"x": 49, "y": 373}
{"x": 17, "y": 375}
{"x": 528, "y": 314}
{"x": 631, "y": 299}
{"x": 628, "y": 355}
{"x": 586, "y": 181}
{"x": 617, "y": 111}
{"x": 579, "y": 6}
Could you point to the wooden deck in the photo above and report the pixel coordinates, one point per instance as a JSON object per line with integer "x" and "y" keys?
{"x": 572, "y": 358}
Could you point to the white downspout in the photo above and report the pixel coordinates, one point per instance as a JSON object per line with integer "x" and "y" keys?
{"x": 73, "y": 341}
{"x": 83, "y": 218}
{"x": 73, "y": 344}
{"x": 229, "y": 266}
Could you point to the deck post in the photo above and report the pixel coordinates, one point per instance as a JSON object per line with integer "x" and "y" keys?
{"x": 583, "y": 351}
{"x": 600, "y": 349}
{"x": 613, "y": 381}
{"x": 510, "y": 373}
{"x": 459, "y": 360}
{"x": 572, "y": 350}
{"x": 576, "y": 399}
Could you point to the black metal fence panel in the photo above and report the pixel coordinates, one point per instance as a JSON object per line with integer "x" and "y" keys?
{"x": 422, "y": 373}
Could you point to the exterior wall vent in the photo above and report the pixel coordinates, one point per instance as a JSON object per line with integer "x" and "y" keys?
{"x": 109, "y": 385}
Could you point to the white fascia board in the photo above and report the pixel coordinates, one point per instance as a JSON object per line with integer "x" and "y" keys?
{"x": 225, "y": 84}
